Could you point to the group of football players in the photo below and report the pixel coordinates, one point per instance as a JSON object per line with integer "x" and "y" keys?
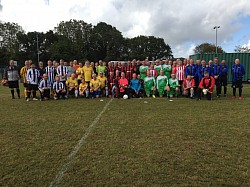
{"x": 136, "y": 79}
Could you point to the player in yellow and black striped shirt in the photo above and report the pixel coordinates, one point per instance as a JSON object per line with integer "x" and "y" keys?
{"x": 23, "y": 73}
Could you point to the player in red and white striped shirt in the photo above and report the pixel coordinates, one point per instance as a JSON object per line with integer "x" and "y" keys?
{"x": 188, "y": 86}
{"x": 180, "y": 73}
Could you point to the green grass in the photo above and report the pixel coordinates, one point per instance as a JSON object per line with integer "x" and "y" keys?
{"x": 180, "y": 143}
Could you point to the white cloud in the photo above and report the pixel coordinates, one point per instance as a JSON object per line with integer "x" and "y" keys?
{"x": 247, "y": 45}
{"x": 178, "y": 22}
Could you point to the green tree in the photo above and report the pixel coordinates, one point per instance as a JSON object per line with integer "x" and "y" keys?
{"x": 241, "y": 49}
{"x": 148, "y": 46}
{"x": 106, "y": 42}
{"x": 78, "y": 33}
{"x": 205, "y": 48}
{"x": 8, "y": 33}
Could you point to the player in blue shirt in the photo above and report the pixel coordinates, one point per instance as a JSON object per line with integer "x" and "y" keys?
{"x": 238, "y": 71}
{"x": 223, "y": 77}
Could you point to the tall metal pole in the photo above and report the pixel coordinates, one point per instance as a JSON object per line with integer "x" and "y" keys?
{"x": 216, "y": 33}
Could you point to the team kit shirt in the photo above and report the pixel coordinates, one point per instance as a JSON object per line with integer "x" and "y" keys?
{"x": 158, "y": 68}
{"x": 23, "y": 73}
{"x": 71, "y": 82}
{"x": 62, "y": 71}
{"x": 95, "y": 83}
{"x": 101, "y": 69}
{"x": 58, "y": 86}
{"x": 180, "y": 73}
{"x": 32, "y": 76}
{"x": 44, "y": 84}
{"x": 167, "y": 69}
{"x": 83, "y": 87}
{"x": 80, "y": 73}
{"x": 161, "y": 82}
{"x": 149, "y": 83}
{"x": 88, "y": 71}
{"x": 143, "y": 71}
{"x": 51, "y": 74}
{"x": 103, "y": 81}
{"x": 173, "y": 83}
{"x": 188, "y": 83}
{"x": 202, "y": 70}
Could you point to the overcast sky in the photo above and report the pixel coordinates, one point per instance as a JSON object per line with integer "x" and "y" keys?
{"x": 182, "y": 23}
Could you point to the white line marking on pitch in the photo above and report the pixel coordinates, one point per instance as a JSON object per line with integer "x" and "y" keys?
{"x": 72, "y": 155}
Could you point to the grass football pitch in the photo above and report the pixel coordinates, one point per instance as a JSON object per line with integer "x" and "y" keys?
{"x": 85, "y": 142}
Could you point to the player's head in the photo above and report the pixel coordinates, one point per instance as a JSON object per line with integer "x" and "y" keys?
{"x": 189, "y": 77}
{"x": 45, "y": 76}
{"x": 41, "y": 64}
{"x": 148, "y": 74}
{"x": 223, "y": 62}
{"x": 117, "y": 73}
{"x": 203, "y": 62}
{"x": 215, "y": 60}
{"x": 162, "y": 72}
{"x": 80, "y": 65}
{"x": 134, "y": 75}
{"x": 57, "y": 79}
{"x": 191, "y": 61}
{"x": 61, "y": 62}
{"x": 71, "y": 63}
{"x": 11, "y": 62}
{"x": 101, "y": 74}
{"x": 123, "y": 75}
{"x": 237, "y": 61}
{"x": 111, "y": 74}
{"x": 138, "y": 76}
{"x": 26, "y": 63}
{"x": 32, "y": 66}
{"x": 49, "y": 63}
{"x": 73, "y": 76}
{"x": 152, "y": 66}
{"x": 87, "y": 63}
{"x": 179, "y": 62}
{"x": 173, "y": 76}
{"x": 83, "y": 81}
{"x": 198, "y": 62}
{"x": 100, "y": 62}
{"x": 206, "y": 74}
{"x": 143, "y": 63}
{"x": 94, "y": 76}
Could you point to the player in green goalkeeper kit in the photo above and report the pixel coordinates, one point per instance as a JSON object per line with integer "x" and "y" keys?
{"x": 162, "y": 83}
{"x": 174, "y": 86}
{"x": 143, "y": 70}
{"x": 149, "y": 85}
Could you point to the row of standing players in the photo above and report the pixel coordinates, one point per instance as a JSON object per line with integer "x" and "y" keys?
{"x": 153, "y": 77}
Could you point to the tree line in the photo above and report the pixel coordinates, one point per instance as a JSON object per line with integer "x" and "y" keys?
{"x": 76, "y": 39}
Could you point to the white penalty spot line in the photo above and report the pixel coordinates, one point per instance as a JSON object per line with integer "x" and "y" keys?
{"x": 80, "y": 143}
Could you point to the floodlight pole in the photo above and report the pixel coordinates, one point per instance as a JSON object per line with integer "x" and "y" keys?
{"x": 216, "y": 33}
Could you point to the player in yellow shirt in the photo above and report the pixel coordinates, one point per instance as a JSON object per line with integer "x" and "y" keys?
{"x": 72, "y": 85}
{"x": 80, "y": 73}
{"x": 103, "y": 87}
{"x": 83, "y": 89}
{"x": 23, "y": 73}
{"x": 95, "y": 87}
{"x": 88, "y": 72}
